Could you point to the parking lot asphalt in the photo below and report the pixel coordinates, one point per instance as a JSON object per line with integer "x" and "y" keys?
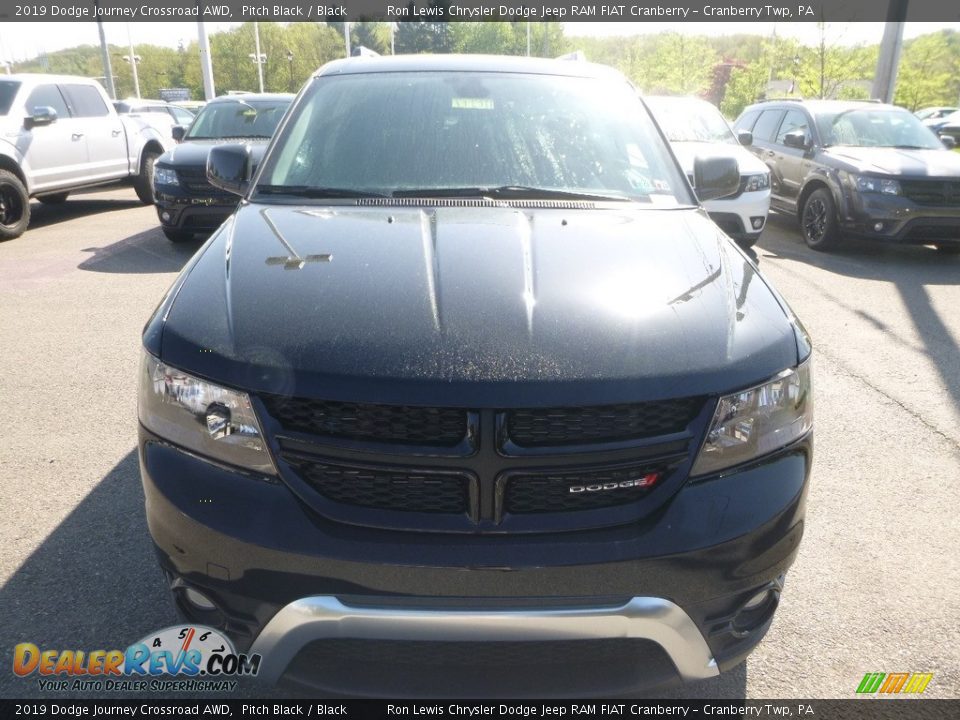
{"x": 875, "y": 588}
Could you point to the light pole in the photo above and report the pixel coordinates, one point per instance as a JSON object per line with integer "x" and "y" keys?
{"x": 796, "y": 72}
{"x": 259, "y": 58}
{"x": 206, "y": 68}
{"x": 290, "y": 65}
{"x": 133, "y": 59}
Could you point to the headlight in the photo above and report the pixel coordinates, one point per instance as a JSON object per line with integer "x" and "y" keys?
{"x": 211, "y": 420}
{"x": 165, "y": 176}
{"x": 758, "y": 421}
{"x": 756, "y": 182}
{"x": 866, "y": 184}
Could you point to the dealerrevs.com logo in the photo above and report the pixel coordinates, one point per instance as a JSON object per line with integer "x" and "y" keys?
{"x": 199, "y": 657}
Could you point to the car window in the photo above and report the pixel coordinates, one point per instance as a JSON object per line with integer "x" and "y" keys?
{"x": 8, "y": 91}
{"x": 767, "y": 124}
{"x": 416, "y": 132}
{"x": 794, "y": 120}
{"x": 47, "y": 96}
{"x": 686, "y": 120}
{"x": 875, "y": 127}
{"x": 746, "y": 121}
{"x": 238, "y": 119}
{"x": 181, "y": 116}
{"x": 85, "y": 101}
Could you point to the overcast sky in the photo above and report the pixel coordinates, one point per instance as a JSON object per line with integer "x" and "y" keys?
{"x": 20, "y": 41}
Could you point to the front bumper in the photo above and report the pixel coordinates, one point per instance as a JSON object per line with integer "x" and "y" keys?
{"x": 283, "y": 578}
{"x": 193, "y": 213}
{"x": 743, "y": 216}
{"x": 893, "y": 218}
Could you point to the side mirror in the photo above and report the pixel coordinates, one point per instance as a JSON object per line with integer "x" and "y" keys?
{"x": 715, "y": 177}
{"x": 178, "y": 131}
{"x": 229, "y": 168}
{"x": 796, "y": 139}
{"x": 42, "y": 115}
{"x": 949, "y": 142}
{"x": 745, "y": 138}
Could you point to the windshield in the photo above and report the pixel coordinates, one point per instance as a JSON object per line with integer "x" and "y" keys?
{"x": 876, "y": 127}
{"x": 472, "y": 134}
{"x": 237, "y": 119}
{"x": 688, "y": 120}
{"x": 8, "y": 91}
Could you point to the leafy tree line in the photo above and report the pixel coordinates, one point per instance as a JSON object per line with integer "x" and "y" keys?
{"x": 731, "y": 71}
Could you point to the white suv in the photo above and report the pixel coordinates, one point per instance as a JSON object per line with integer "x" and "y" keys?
{"x": 695, "y": 128}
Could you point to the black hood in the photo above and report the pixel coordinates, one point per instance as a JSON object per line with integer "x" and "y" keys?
{"x": 194, "y": 152}
{"x": 940, "y": 163}
{"x": 479, "y": 307}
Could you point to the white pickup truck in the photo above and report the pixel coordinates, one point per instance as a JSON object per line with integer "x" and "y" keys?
{"x": 61, "y": 133}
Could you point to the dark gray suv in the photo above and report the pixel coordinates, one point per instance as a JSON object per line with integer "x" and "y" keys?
{"x": 857, "y": 169}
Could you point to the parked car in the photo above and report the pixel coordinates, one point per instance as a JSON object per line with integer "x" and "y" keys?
{"x": 857, "y": 169}
{"x": 471, "y": 396}
{"x": 187, "y": 204}
{"x": 157, "y": 114}
{"x": 951, "y": 128}
{"x": 60, "y": 133}
{"x": 695, "y": 128}
{"x": 934, "y": 113}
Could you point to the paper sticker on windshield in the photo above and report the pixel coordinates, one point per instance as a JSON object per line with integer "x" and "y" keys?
{"x": 472, "y": 103}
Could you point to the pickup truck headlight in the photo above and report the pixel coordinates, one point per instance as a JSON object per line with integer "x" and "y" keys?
{"x": 755, "y": 422}
{"x": 165, "y": 176}
{"x": 197, "y": 415}
{"x": 867, "y": 184}
{"x": 753, "y": 183}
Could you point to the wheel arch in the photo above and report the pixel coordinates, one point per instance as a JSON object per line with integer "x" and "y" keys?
{"x": 11, "y": 165}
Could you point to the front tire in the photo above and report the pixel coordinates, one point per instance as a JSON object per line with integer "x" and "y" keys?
{"x": 144, "y": 181}
{"x": 818, "y": 221}
{"x": 14, "y": 206}
{"x": 54, "y": 199}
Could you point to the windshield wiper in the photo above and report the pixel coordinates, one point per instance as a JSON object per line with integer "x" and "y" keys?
{"x": 508, "y": 192}
{"x": 308, "y": 191}
{"x": 912, "y": 147}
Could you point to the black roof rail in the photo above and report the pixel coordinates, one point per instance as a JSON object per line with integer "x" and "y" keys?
{"x": 781, "y": 99}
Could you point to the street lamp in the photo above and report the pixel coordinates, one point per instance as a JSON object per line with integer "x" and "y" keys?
{"x": 796, "y": 71}
{"x": 290, "y": 65}
{"x": 133, "y": 59}
{"x": 258, "y": 57}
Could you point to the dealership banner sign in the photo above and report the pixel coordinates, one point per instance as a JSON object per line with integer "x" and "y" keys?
{"x": 481, "y": 10}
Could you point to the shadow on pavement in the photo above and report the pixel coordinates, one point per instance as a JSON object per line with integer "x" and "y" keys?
{"x": 77, "y": 206}
{"x": 93, "y": 584}
{"x": 146, "y": 252}
{"x": 911, "y": 269}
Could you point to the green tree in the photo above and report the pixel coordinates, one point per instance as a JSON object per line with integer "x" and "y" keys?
{"x": 929, "y": 72}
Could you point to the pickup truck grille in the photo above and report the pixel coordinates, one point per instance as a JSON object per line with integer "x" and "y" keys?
{"x": 460, "y": 470}
{"x": 939, "y": 193}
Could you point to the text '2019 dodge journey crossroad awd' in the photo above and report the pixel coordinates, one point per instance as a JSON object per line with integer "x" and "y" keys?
{"x": 470, "y": 395}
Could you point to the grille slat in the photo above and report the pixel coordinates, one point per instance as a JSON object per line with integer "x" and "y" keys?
{"x": 426, "y": 426}
{"x": 405, "y": 490}
{"x": 527, "y": 493}
{"x": 603, "y": 423}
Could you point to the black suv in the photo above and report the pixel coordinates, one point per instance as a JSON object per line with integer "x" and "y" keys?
{"x": 187, "y": 204}
{"x": 471, "y": 396}
{"x": 859, "y": 169}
